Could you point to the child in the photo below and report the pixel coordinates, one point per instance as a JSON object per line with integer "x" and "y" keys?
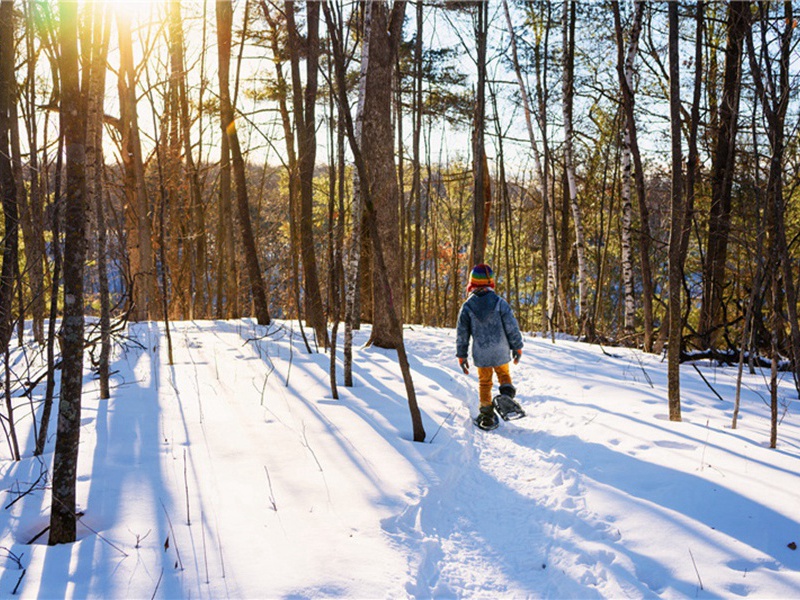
{"x": 489, "y": 321}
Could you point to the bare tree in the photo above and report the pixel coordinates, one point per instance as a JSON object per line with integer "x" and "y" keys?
{"x": 722, "y": 170}
{"x": 676, "y": 223}
{"x": 258, "y": 289}
{"x": 95, "y": 49}
{"x": 625, "y": 71}
{"x": 8, "y": 186}
{"x": 73, "y": 113}
{"x": 138, "y": 214}
{"x": 482, "y": 196}
{"x": 304, "y": 102}
{"x": 366, "y": 190}
{"x": 568, "y": 92}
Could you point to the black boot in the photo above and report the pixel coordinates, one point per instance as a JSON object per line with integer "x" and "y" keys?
{"x": 508, "y": 390}
{"x": 486, "y": 418}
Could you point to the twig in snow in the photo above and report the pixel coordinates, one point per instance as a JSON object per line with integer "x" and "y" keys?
{"x": 266, "y": 379}
{"x": 291, "y": 354}
{"x": 140, "y": 538}
{"x": 158, "y": 583}
{"x": 703, "y": 377}
{"x": 172, "y": 532}
{"x": 699, "y": 579}
{"x": 446, "y": 419}
{"x": 117, "y": 548}
{"x": 705, "y": 445}
{"x": 205, "y": 552}
{"x": 18, "y": 561}
{"x": 36, "y": 486}
{"x": 641, "y": 366}
{"x": 271, "y": 492}
{"x": 186, "y": 488}
{"x": 307, "y": 445}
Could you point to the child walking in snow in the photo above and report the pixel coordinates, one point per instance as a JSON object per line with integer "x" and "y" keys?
{"x": 489, "y": 321}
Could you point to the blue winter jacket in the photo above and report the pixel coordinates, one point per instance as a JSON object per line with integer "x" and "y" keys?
{"x": 488, "y": 320}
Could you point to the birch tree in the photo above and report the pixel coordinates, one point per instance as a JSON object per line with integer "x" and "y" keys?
{"x": 626, "y": 56}
{"x": 568, "y": 92}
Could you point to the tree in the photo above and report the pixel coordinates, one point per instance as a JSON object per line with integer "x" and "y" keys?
{"x": 8, "y": 186}
{"x": 722, "y": 171}
{"x": 482, "y": 196}
{"x": 73, "y": 114}
{"x": 676, "y": 223}
{"x": 258, "y": 289}
{"x": 568, "y": 81}
{"x": 303, "y": 103}
{"x": 625, "y": 73}
{"x": 138, "y": 214}
{"x": 773, "y": 90}
{"x": 367, "y": 193}
{"x": 377, "y": 147}
{"x": 95, "y": 48}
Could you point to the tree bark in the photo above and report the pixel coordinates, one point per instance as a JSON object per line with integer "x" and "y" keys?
{"x": 377, "y": 147}
{"x": 624, "y": 70}
{"x": 482, "y": 199}
{"x": 73, "y": 112}
{"x": 95, "y": 53}
{"x": 8, "y": 185}
{"x": 676, "y": 223}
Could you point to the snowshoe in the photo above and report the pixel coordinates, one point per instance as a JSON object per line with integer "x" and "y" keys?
{"x": 486, "y": 419}
{"x": 508, "y": 408}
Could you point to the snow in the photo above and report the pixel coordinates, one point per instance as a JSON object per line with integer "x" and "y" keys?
{"x": 233, "y": 473}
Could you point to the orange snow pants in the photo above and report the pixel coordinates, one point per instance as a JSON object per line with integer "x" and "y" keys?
{"x": 485, "y": 381}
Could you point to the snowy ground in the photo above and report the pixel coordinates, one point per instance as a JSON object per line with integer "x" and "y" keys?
{"x": 234, "y": 473}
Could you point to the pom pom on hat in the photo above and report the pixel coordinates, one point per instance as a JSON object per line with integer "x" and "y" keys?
{"x": 481, "y": 276}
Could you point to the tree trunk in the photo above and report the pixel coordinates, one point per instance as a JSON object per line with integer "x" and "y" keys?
{"x": 304, "y": 102}
{"x": 258, "y": 289}
{"x": 138, "y": 214}
{"x": 722, "y": 169}
{"x": 540, "y": 167}
{"x": 586, "y": 327}
{"x": 382, "y": 272}
{"x": 482, "y": 199}
{"x": 291, "y": 156}
{"x": 199, "y": 287}
{"x": 34, "y": 243}
{"x": 8, "y": 186}
{"x": 625, "y": 70}
{"x": 97, "y": 42}
{"x": 377, "y": 148}
{"x": 416, "y": 177}
{"x": 73, "y": 112}
{"x": 676, "y": 224}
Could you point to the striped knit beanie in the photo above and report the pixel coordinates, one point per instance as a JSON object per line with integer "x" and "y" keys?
{"x": 481, "y": 276}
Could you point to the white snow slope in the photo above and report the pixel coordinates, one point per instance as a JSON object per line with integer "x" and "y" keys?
{"x": 233, "y": 473}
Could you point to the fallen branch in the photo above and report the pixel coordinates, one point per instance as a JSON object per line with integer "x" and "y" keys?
{"x": 18, "y": 561}
{"x": 707, "y": 383}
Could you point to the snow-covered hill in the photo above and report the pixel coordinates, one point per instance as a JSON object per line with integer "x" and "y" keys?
{"x": 234, "y": 473}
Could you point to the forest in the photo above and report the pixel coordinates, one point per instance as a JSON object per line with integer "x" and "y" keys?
{"x": 629, "y": 170}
